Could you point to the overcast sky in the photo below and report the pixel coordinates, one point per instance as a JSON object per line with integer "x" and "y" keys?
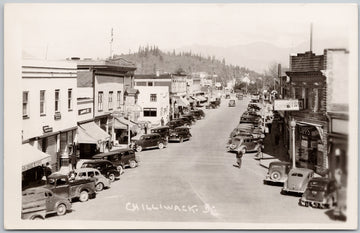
{"x": 84, "y": 29}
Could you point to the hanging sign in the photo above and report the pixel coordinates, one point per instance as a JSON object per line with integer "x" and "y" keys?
{"x": 286, "y": 105}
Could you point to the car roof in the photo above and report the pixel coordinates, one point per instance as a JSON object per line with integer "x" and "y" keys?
{"x": 182, "y": 127}
{"x": 86, "y": 169}
{"x": 151, "y": 134}
{"x": 161, "y": 127}
{"x": 36, "y": 190}
{"x": 301, "y": 170}
{"x": 279, "y": 163}
{"x": 56, "y": 175}
{"x": 97, "y": 161}
{"x": 100, "y": 155}
{"x": 322, "y": 179}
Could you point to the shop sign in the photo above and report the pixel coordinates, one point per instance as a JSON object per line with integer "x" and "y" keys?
{"x": 84, "y": 111}
{"x": 286, "y": 105}
{"x": 305, "y": 131}
{"x": 47, "y": 129}
{"x": 57, "y": 116}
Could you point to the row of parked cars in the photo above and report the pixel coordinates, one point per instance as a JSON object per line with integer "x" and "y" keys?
{"x": 97, "y": 173}
{"x": 247, "y": 135}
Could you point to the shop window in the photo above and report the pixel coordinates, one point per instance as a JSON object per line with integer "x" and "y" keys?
{"x": 150, "y": 84}
{"x": 153, "y": 98}
{"x": 100, "y": 100}
{"x": 70, "y": 100}
{"x": 110, "y": 100}
{"x": 42, "y": 103}
{"x": 150, "y": 112}
{"x": 25, "y": 104}
{"x": 57, "y": 100}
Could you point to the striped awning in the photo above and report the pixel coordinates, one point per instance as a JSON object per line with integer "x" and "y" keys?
{"x": 32, "y": 157}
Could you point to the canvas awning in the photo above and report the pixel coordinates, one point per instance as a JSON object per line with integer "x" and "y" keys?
{"x": 32, "y": 157}
{"x": 122, "y": 123}
{"x": 182, "y": 101}
{"x": 91, "y": 133}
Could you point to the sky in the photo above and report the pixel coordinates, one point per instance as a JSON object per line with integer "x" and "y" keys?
{"x": 83, "y": 30}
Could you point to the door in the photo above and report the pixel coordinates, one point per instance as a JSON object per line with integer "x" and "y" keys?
{"x": 50, "y": 202}
{"x": 62, "y": 187}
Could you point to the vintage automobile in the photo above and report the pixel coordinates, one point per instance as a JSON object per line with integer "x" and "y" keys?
{"x": 244, "y": 143}
{"x": 254, "y": 107}
{"x": 255, "y": 97}
{"x": 39, "y": 202}
{"x": 297, "y": 180}
{"x": 190, "y": 117}
{"x": 211, "y": 105}
{"x": 175, "y": 123}
{"x": 232, "y": 103}
{"x": 121, "y": 158}
{"x": 227, "y": 96}
{"x": 320, "y": 193}
{"x": 277, "y": 172}
{"x": 101, "y": 181}
{"x": 164, "y": 131}
{"x": 187, "y": 121}
{"x": 146, "y": 141}
{"x": 251, "y": 119}
{"x": 247, "y": 128}
{"x": 239, "y": 96}
{"x": 70, "y": 189}
{"x": 180, "y": 134}
{"x": 107, "y": 168}
{"x": 198, "y": 114}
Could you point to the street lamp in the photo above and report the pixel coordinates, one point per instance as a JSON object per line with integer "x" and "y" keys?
{"x": 293, "y": 125}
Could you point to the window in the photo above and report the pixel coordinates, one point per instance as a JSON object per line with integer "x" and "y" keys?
{"x": 25, "y": 104}
{"x": 150, "y": 112}
{"x": 69, "y": 99}
{"x": 152, "y": 97}
{"x": 150, "y": 83}
{"x": 118, "y": 99}
{"x": 42, "y": 103}
{"x": 110, "y": 98}
{"x": 100, "y": 100}
{"x": 57, "y": 100}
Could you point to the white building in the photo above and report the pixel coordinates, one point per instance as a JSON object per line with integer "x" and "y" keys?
{"x": 155, "y": 104}
{"x": 49, "y": 109}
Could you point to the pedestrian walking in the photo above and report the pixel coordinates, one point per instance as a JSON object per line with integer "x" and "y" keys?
{"x": 239, "y": 156}
{"x": 162, "y": 121}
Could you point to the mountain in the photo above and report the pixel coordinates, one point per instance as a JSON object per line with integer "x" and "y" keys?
{"x": 258, "y": 56}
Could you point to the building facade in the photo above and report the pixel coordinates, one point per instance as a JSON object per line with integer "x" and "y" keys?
{"x": 49, "y": 90}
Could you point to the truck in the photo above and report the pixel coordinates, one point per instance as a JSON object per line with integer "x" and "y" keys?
{"x": 61, "y": 185}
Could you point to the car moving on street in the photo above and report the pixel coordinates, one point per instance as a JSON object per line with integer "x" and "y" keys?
{"x": 180, "y": 134}
{"x": 147, "y": 141}
{"x": 39, "y": 202}
{"x": 244, "y": 143}
{"x": 232, "y": 103}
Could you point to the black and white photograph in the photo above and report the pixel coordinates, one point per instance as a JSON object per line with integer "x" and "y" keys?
{"x": 181, "y": 116}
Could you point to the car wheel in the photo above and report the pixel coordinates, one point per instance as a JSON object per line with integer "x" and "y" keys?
{"x": 37, "y": 218}
{"x": 112, "y": 177}
{"x": 99, "y": 187}
{"x": 139, "y": 148}
{"x": 275, "y": 175}
{"x": 181, "y": 140}
{"x": 132, "y": 163}
{"x": 120, "y": 169}
{"x": 187, "y": 125}
{"x": 84, "y": 196}
{"x": 161, "y": 145}
{"x": 61, "y": 209}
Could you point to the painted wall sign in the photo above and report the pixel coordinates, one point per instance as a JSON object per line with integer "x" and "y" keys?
{"x": 57, "y": 116}
{"x": 286, "y": 105}
{"x": 84, "y": 111}
{"x": 47, "y": 129}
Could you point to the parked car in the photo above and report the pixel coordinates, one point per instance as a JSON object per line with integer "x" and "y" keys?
{"x": 101, "y": 181}
{"x": 60, "y": 185}
{"x": 244, "y": 143}
{"x": 180, "y": 134}
{"x": 107, "y": 168}
{"x": 277, "y": 172}
{"x": 321, "y": 192}
{"x": 232, "y": 103}
{"x": 255, "y": 120}
{"x": 297, "y": 180}
{"x": 164, "y": 131}
{"x": 187, "y": 121}
{"x": 175, "y": 123}
{"x": 227, "y": 96}
{"x": 120, "y": 158}
{"x": 190, "y": 117}
{"x": 254, "y": 107}
{"x": 239, "y": 96}
{"x": 39, "y": 202}
{"x": 211, "y": 105}
{"x": 198, "y": 114}
{"x": 255, "y": 97}
{"x": 146, "y": 141}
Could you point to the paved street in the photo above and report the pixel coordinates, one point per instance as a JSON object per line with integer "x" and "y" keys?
{"x": 196, "y": 181}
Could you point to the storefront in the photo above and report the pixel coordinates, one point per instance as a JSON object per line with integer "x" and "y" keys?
{"x": 91, "y": 140}
{"x": 121, "y": 126}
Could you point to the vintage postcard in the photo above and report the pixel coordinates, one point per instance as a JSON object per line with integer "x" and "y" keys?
{"x": 181, "y": 116}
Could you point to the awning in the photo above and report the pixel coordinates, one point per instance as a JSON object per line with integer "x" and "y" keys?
{"x": 182, "y": 101}
{"x": 201, "y": 98}
{"x": 317, "y": 126}
{"x": 122, "y": 123}
{"x": 32, "y": 157}
{"x": 91, "y": 133}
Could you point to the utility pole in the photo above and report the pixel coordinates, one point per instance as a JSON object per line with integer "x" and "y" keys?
{"x": 111, "y": 42}
{"x": 311, "y": 31}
